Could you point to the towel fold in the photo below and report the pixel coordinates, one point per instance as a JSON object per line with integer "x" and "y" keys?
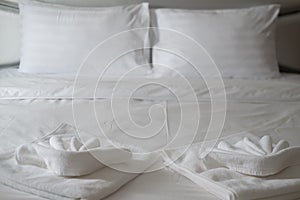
{"x": 59, "y": 166}
{"x": 63, "y": 153}
{"x": 256, "y": 156}
{"x": 222, "y": 172}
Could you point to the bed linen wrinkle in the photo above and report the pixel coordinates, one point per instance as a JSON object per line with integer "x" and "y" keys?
{"x": 19, "y": 86}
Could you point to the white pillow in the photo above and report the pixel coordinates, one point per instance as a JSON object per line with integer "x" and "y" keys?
{"x": 240, "y": 41}
{"x": 9, "y": 37}
{"x": 57, "y": 39}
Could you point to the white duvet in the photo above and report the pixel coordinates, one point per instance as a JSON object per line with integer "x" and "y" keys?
{"x": 30, "y": 104}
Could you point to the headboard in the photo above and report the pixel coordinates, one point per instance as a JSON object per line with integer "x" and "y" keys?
{"x": 288, "y": 6}
{"x": 288, "y": 39}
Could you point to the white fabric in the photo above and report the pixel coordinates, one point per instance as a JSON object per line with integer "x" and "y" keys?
{"x": 9, "y": 37}
{"x": 15, "y": 85}
{"x": 229, "y": 184}
{"x": 63, "y": 153}
{"x": 240, "y": 41}
{"x": 57, "y": 39}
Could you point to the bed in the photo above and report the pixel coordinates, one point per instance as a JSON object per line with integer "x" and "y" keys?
{"x": 32, "y": 105}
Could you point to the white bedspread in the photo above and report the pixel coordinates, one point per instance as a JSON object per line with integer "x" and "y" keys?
{"x": 258, "y": 106}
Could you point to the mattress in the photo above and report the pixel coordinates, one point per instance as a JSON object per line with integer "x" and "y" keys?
{"x": 29, "y": 102}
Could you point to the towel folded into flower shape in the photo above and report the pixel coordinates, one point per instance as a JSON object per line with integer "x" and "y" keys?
{"x": 259, "y": 157}
{"x": 63, "y": 153}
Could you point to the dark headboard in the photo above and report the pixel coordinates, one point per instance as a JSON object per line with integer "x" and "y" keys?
{"x": 288, "y": 6}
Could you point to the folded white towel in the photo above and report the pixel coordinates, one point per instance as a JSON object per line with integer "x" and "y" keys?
{"x": 214, "y": 175}
{"x": 256, "y": 156}
{"x": 31, "y": 167}
{"x": 44, "y": 183}
{"x": 63, "y": 153}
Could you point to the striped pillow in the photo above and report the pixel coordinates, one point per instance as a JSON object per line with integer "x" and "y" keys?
{"x": 57, "y": 39}
{"x": 241, "y": 42}
{"x": 9, "y": 36}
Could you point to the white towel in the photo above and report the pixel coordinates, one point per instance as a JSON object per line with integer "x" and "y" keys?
{"x": 36, "y": 174}
{"x": 256, "y": 156}
{"x": 41, "y": 182}
{"x": 63, "y": 153}
{"x": 229, "y": 184}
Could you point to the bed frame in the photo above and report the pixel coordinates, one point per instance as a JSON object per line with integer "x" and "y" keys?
{"x": 288, "y": 6}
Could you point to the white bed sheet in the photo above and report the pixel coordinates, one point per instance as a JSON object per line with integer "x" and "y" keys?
{"x": 258, "y": 106}
{"x": 15, "y": 85}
